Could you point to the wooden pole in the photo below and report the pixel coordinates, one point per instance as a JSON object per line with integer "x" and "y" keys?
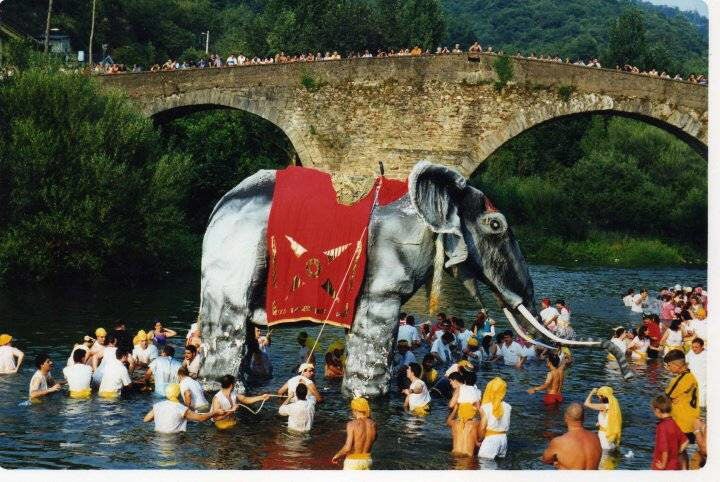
{"x": 47, "y": 25}
{"x": 92, "y": 34}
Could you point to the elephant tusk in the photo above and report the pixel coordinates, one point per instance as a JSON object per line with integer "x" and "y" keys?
{"x": 523, "y": 335}
{"x": 526, "y": 313}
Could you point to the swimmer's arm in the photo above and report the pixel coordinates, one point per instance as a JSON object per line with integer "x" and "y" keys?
{"x": 450, "y": 418}
{"x": 664, "y": 337}
{"x": 348, "y": 444}
{"x": 600, "y": 407}
{"x": 544, "y": 386}
{"x": 169, "y": 333}
{"x": 20, "y": 356}
{"x": 482, "y": 428}
{"x": 255, "y": 399}
{"x": 283, "y": 390}
{"x": 150, "y": 416}
{"x": 148, "y": 374}
{"x": 187, "y": 397}
{"x": 201, "y": 417}
{"x": 316, "y": 393}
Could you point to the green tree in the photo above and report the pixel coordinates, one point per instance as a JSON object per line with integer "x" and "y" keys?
{"x": 627, "y": 43}
{"x": 87, "y": 192}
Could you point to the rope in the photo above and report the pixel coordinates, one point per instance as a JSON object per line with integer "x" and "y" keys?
{"x": 322, "y": 328}
{"x": 254, "y": 412}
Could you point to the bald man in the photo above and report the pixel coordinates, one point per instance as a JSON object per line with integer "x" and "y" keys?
{"x": 578, "y": 449}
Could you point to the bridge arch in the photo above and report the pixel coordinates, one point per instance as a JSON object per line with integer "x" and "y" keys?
{"x": 686, "y": 124}
{"x": 165, "y": 109}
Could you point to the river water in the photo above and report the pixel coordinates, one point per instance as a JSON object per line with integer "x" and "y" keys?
{"x": 97, "y": 434}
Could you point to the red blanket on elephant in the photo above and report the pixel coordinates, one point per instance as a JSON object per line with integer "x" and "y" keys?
{"x": 317, "y": 247}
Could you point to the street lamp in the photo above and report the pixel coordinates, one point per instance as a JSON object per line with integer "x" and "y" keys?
{"x": 207, "y": 40}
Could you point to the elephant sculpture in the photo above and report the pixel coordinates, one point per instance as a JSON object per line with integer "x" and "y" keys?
{"x": 439, "y": 212}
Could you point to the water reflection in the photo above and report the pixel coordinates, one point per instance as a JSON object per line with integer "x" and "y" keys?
{"x": 68, "y": 433}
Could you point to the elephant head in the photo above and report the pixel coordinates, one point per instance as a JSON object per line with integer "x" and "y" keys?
{"x": 480, "y": 247}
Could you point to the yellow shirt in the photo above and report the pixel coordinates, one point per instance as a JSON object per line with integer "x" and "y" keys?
{"x": 683, "y": 390}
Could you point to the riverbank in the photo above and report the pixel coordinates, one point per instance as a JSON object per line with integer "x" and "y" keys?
{"x": 606, "y": 249}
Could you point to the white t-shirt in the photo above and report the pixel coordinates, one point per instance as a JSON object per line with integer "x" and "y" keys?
{"x": 636, "y": 305}
{"x": 501, "y": 424}
{"x": 194, "y": 366}
{"x": 628, "y": 300}
{"x": 511, "y": 354}
{"x": 294, "y": 382}
{"x": 300, "y": 414}
{"x": 78, "y": 377}
{"x": 146, "y": 355}
{"x": 469, "y": 394}
{"x": 408, "y": 333}
{"x": 442, "y": 350}
{"x": 416, "y": 400}
{"x": 38, "y": 382}
{"x": 164, "y": 371}
{"x": 549, "y": 313}
{"x": 698, "y": 365}
{"x": 463, "y": 337}
{"x": 170, "y": 417}
{"x": 699, "y": 328}
{"x": 642, "y": 346}
{"x": 7, "y": 358}
{"x": 197, "y": 396}
{"x": 115, "y": 376}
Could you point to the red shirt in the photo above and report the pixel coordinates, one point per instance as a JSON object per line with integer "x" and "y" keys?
{"x": 668, "y": 438}
{"x": 653, "y": 332}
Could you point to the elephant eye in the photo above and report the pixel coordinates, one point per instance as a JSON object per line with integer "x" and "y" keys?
{"x": 493, "y": 223}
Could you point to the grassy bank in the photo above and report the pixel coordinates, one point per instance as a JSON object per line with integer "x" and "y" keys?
{"x": 605, "y": 249}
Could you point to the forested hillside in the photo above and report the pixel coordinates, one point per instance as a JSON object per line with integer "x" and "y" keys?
{"x": 150, "y": 31}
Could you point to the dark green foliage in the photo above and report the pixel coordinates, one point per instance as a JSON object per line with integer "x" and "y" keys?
{"x": 504, "y": 70}
{"x": 627, "y": 44}
{"x": 580, "y": 29}
{"x": 580, "y": 178}
{"x": 85, "y": 188}
{"x": 225, "y": 146}
{"x": 565, "y": 92}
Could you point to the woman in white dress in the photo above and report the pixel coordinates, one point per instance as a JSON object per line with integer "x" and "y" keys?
{"x": 672, "y": 339}
{"x": 495, "y": 420}
{"x": 639, "y": 345}
{"x": 609, "y": 417}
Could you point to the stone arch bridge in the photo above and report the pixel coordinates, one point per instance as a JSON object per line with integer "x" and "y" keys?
{"x": 344, "y": 116}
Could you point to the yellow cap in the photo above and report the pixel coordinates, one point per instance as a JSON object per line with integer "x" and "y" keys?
{"x": 465, "y": 364}
{"x": 141, "y": 335}
{"x": 5, "y": 339}
{"x": 472, "y": 341}
{"x": 361, "y": 405}
{"x": 172, "y": 392}
{"x": 466, "y": 411}
{"x": 100, "y": 332}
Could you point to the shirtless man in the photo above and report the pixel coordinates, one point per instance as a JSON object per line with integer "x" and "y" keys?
{"x": 578, "y": 449}
{"x": 465, "y": 430}
{"x": 361, "y": 435}
{"x": 554, "y": 381}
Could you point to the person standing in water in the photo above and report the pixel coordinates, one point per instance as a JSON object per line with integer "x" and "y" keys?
{"x": 10, "y": 357}
{"x": 170, "y": 416}
{"x": 417, "y": 396}
{"x": 495, "y": 420}
{"x": 227, "y": 399}
{"x": 300, "y": 413}
{"x": 361, "y": 435}
{"x": 553, "y": 382}
{"x": 78, "y": 376}
{"x": 163, "y": 370}
{"x": 577, "y": 449}
{"x": 609, "y": 417}
{"x": 42, "y": 383}
{"x": 465, "y": 429}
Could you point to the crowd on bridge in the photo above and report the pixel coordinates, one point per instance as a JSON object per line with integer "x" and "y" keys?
{"x": 238, "y": 60}
{"x": 435, "y": 364}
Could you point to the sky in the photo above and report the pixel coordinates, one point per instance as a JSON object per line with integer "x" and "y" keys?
{"x": 699, "y": 6}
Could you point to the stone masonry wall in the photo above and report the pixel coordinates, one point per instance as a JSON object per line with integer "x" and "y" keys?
{"x": 353, "y": 113}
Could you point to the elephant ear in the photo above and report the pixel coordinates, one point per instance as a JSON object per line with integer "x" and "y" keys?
{"x": 435, "y": 192}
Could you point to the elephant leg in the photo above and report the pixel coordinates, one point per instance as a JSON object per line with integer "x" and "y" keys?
{"x": 369, "y": 345}
{"x": 226, "y": 347}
